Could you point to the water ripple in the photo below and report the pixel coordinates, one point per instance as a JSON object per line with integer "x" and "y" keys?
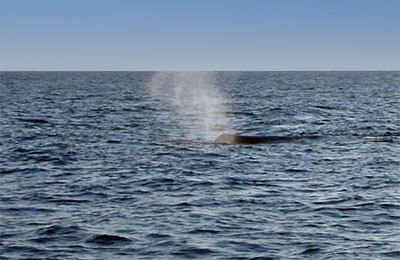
{"x": 94, "y": 165}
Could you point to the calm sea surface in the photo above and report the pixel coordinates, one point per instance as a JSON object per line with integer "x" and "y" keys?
{"x": 121, "y": 165}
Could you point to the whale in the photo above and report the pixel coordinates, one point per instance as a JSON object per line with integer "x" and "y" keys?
{"x": 246, "y": 139}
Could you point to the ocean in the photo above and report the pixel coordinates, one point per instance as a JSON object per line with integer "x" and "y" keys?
{"x": 123, "y": 165}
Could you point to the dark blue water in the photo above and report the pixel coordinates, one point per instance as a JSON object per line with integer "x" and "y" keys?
{"x": 93, "y": 165}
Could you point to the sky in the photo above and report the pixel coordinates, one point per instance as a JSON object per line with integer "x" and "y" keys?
{"x": 199, "y": 35}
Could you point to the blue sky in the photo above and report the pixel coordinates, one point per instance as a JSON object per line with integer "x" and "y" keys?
{"x": 199, "y": 35}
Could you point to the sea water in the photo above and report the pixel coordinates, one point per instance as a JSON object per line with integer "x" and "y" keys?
{"x": 121, "y": 165}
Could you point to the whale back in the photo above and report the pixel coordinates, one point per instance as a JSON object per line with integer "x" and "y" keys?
{"x": 243, "y": 139}
{"x": 225, "y": 139}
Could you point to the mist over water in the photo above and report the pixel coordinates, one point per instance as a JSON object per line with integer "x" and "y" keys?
{"x": 196, "y": 102}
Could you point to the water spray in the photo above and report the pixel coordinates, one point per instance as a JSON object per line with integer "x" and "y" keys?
{"x": 196, "y": 101}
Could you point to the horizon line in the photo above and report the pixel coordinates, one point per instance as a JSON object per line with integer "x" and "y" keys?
{"x": 391, "y": 70}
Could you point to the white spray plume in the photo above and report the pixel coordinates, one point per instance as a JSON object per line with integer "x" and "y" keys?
{"x": 196, "y": 101}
